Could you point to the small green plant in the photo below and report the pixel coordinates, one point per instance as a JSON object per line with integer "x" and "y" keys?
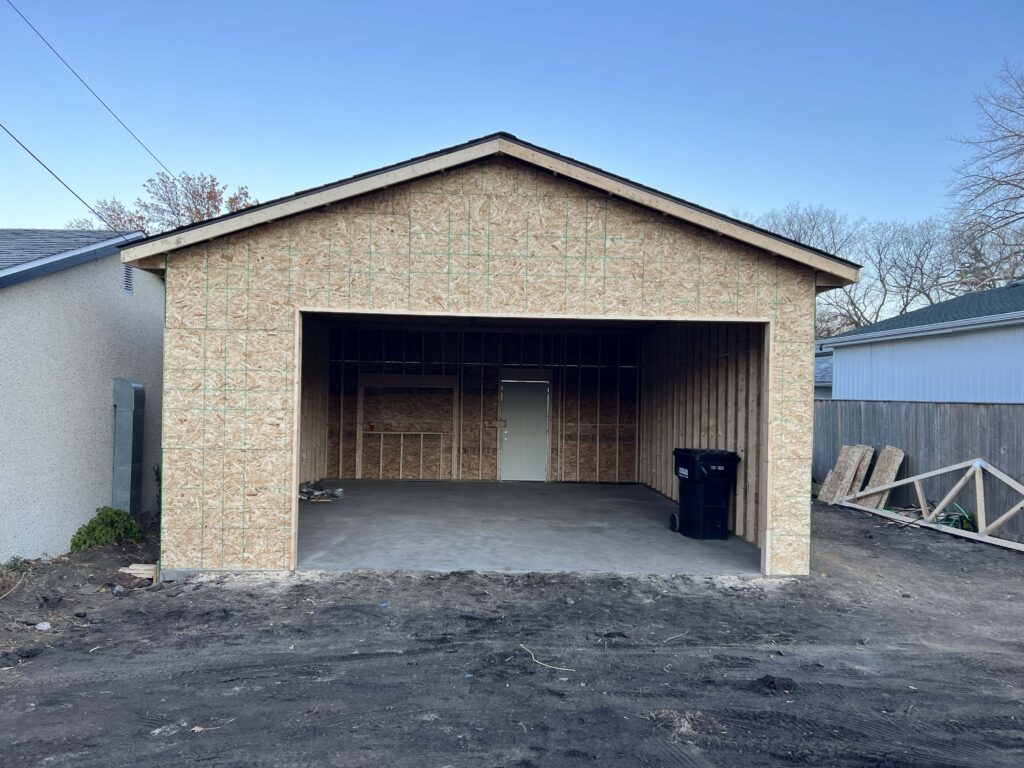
{"x": 16, "y": 565}
{"x": 956, "y": 516}
{"x": 109, "y": 526}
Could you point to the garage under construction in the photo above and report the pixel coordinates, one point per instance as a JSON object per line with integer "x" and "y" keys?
{"x": 492, "y": 351}
{"x": 493, "y": 399}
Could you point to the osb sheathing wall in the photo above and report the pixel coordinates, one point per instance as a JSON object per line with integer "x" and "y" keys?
{"x": 496, "y": 237}
{"x": 593, "y": 402}
{"x": 702, "y": 388}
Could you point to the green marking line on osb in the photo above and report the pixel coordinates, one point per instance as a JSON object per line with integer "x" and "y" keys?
{"x": 565, "y": 251}
{"x": 206, "y": 394}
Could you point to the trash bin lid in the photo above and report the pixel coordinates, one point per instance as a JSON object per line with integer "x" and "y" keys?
{"x": 705, "y": 454}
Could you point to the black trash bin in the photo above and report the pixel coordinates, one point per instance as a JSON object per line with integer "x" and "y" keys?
{"x": 706, "y": 479}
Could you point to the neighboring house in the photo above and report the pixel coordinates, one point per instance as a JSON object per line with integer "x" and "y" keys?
{"x": 965, "y": 350}
{"x": 72, "y": 319}
{"x": 375, "y": 326}
{"x": 945, "y": 383}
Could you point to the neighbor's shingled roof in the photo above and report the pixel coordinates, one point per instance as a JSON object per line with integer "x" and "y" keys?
{"x": 20, "y": 246}
{"x": 994, "y": 301}
{"x": 823, "y": 369}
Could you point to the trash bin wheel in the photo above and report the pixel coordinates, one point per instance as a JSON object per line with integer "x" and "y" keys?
{"x": 673, "y": 522}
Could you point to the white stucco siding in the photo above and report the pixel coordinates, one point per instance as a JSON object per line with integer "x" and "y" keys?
{"x": 983, "y": 366}
{"x": 63, "y": 338}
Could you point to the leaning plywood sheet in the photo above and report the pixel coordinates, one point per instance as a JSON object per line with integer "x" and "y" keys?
{"x": 850, "y": 459}
{"x": 862, "y": 470}
{"x": 888, "y": 464}
{"x": 830, "y": 488}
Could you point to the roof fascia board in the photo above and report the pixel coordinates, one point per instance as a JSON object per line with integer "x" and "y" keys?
{"x": 344, "y": 191}
{"x": 839, "y": 273}
{"x": 61, "y": 261}
{"x": 679, "y": 210}
{"x": 935, "y": 329}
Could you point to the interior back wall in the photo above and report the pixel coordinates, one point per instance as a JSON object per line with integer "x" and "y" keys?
{"x": 593, "y": 402}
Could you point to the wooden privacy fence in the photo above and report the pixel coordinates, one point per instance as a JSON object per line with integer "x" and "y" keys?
{"x": 932, "y": 435}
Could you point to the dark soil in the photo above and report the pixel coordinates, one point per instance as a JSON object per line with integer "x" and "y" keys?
{"x": 903, "y": 649}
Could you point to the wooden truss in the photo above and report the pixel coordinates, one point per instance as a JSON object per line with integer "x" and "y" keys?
{"x": 974, "y": 470}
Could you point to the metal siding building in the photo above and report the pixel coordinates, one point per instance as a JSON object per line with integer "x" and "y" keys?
{"x": 978, "y": 366}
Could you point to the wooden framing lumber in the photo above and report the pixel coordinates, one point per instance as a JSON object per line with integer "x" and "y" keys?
{"x": 952, "y": 494}
{"x": 386, "y": 380}
{"x": 895, "y": 516}
{"x": 906, "y": 480}
{"x": 975, "y": 469}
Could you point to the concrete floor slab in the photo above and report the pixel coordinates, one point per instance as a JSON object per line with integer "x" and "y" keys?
{"x": 510, "y": 527}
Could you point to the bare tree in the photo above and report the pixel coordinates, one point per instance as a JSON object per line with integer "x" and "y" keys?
{"x": 905, "y": 265}
{"x": 169, "y": 202}
{"x": 816, "y": 226}
{"x": 990, "y": 183}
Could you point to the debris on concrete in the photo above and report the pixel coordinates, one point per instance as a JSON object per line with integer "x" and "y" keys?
{"x": 44, "y": 626}
{"x": 316, "y": 492}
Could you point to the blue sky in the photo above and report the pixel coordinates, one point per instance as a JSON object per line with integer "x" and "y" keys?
{"x": 742, "y": 106}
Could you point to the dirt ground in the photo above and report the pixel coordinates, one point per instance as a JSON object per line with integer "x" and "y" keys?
{"x": 902, "y": 649}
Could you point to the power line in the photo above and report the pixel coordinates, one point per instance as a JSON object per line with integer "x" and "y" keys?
{"x": 63, "y": 183}
{"x": 96, "y": 95}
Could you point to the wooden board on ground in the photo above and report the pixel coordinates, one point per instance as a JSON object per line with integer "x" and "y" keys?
{"x": 888, "y": 464}
{"x": 830, "y": 488}
{"x": 140, "y": 571}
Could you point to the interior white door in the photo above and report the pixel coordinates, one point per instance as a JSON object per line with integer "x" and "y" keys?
{"x": 524, "y": 441}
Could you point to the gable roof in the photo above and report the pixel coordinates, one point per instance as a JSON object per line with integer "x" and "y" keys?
{"x": 995, "y": 306}
{"x": 29, "y": 253}
{"x": 832, "y": 270}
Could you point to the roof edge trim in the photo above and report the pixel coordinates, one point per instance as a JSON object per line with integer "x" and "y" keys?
{"x": 933, "y": 329}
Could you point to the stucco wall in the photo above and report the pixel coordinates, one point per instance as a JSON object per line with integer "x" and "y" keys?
{"x": 63, "y": 337}
{"x": 497, "y": 237}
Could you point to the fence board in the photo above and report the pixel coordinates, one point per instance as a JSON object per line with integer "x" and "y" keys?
{"x": 933, "y": 435}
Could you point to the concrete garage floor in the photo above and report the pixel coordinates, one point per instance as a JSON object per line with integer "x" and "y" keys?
{"x": 512, "y": 527}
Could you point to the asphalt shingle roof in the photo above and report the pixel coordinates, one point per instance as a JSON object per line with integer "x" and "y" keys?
{"x": 19, "y": 246}
{"x": 994, "y": 301}
{"x": 823, "y": 369}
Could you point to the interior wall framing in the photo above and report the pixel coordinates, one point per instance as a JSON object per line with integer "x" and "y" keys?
{"x": 702, "y": 386}
{"x": 593, "y": 414}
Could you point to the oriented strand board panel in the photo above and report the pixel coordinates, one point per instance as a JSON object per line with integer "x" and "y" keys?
{"x": 849, "y": 457}
{"x": 857, "y": 483}
{"x": 889, "y": 460}
{"x": 495, "y": 237}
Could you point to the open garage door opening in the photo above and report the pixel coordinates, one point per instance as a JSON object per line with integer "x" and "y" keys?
{"x": 449, "y": 443}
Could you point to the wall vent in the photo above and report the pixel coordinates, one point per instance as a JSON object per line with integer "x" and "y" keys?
{"x": 127, "y": 278}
